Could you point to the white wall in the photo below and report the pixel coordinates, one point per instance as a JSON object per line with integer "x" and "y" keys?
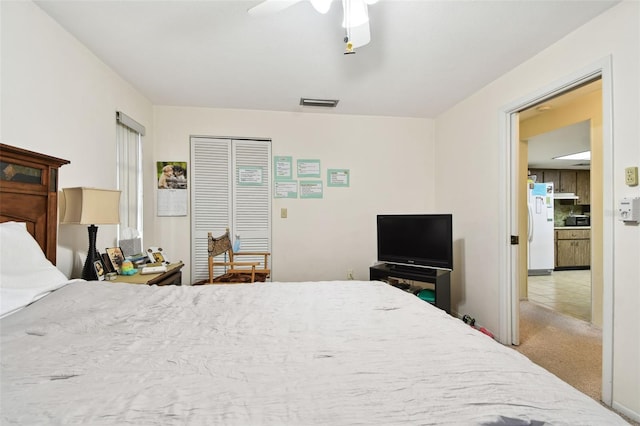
{"x": 59, "y": 99}
{"x": 392, "y": 170}
{"x": 473, "y": 127}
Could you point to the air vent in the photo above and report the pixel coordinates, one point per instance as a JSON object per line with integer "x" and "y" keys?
{"x": 326, "y": 103}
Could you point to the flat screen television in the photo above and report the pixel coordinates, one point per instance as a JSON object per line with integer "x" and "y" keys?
{"x": 424, "y": 240}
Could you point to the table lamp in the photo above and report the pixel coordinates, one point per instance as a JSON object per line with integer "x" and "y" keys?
{"x": 91, "y": 206}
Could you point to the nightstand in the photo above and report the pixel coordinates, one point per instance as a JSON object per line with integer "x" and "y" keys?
{"x": 173, "y": 276}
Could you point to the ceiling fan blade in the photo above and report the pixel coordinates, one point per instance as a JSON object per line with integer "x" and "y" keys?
{"x": 321, "y": 6}
{"x": 268, "y": 7}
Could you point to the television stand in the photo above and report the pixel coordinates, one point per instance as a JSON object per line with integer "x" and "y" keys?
{"x": 439, "y": 279}
{"x": 412, "y": 269}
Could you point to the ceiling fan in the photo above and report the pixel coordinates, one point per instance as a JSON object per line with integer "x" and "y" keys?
{"x": 355, "y": 20}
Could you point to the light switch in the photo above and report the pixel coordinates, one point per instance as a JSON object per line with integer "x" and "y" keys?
{"x": 631, "y": 176}
{"x": 283, "y": 213}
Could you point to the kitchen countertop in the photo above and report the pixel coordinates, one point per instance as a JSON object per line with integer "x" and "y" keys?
{"x": 571, "y": 227}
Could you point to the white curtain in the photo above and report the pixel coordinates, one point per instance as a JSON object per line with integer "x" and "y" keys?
{"x": 129, "y": 145}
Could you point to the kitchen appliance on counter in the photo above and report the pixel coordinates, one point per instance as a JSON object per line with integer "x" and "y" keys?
{"x": 577, "y": 220}
{"x": 540, "y": 229}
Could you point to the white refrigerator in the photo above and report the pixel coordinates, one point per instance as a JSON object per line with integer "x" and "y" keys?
{"x": 540, "y": 238}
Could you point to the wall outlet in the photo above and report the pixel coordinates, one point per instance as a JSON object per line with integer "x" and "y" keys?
{"x": 283, "y": 213}
{"x": 631, "y": 176}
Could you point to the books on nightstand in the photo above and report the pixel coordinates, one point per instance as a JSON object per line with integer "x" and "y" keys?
{"x": 138, "y": 259}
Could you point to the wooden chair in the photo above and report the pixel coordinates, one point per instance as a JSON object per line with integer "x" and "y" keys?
{"x": 236, "y": 272}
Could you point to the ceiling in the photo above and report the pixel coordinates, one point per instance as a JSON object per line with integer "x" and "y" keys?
{"x": 424, "y": 56}
{"x": 566, "y": 140}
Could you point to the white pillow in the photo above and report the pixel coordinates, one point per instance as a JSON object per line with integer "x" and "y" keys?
{"x": 25, "y": 272}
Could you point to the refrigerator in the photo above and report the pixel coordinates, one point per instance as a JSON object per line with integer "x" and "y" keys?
{"x": 540, "y": 228}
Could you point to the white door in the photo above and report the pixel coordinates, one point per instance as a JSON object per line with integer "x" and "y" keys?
{"x": 231, "y": 188}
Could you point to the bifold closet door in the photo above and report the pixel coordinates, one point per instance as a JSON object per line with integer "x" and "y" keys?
{"x": 230, "y": 187}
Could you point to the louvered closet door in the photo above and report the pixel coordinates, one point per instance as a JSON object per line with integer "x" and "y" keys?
{"x": 220, "y": 200}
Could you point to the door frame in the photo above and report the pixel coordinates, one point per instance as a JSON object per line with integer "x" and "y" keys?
{"x": 509, "y": 256}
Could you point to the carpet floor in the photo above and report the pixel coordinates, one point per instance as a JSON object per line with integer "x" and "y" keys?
{"x": 568, "y": 347}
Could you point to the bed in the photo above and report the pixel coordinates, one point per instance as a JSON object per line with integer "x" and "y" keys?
{"x": 331, "y": 353}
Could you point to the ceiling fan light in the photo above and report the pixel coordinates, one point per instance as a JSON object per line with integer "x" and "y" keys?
{"x": 355, "y": 13}
{"x": 321, "y": 6}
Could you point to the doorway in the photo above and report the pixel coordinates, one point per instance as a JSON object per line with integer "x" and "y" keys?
{"x": 558, "y": 138}
{"x": 514, "y": 254}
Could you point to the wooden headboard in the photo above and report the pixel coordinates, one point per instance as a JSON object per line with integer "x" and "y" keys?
{"x": 29, "y": 193}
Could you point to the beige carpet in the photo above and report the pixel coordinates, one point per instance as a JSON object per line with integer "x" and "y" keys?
{"x": 568, "y": 347}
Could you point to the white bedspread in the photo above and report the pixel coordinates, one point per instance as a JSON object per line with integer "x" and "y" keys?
{"x": 329, "y": 353}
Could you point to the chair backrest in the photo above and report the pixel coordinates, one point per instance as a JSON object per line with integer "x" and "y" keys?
{"x": 220, "y": 245}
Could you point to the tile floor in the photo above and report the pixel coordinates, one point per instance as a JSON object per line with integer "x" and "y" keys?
{"x": 568, "y": 292}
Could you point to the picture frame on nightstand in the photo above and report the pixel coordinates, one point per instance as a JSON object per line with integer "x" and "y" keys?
{"x": 157, "y": 255}
{"x": 116, "y": 257}
{"x": 100, "y": 269}
{"x": 106, "y": 262}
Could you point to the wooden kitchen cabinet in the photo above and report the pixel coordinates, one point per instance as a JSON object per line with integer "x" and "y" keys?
{"x": 547, "y": 175}
{"x": 583, "y": 186}
{"x": 577, "y": 182}
{"x": 538, "y": 173}
{"x": 573, "y": 248}
{"x": 567, "y": 181}
{"x": 552, "y": 176}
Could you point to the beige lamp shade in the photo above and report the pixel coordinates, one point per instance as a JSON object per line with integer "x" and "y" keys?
{"x": 91, "y": 206}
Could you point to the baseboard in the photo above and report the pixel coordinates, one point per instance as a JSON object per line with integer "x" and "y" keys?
{"x": 626, "y": 411}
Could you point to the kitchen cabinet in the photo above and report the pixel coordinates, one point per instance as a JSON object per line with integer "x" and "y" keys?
{"x": 573, "y": 248}
{"x": 567, "y": 181}
{"x": 551, "y": 175}
{"x": 547, "y": 175}
{"x": 577, "y": 182}
{"x": 583, "y": 186}
{"x": 538, "y": 173}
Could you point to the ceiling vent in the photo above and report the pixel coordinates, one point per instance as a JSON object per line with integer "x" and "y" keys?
{"x": 326, "y": 103}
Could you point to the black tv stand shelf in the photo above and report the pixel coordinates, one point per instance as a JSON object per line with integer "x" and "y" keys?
{"x": 440, "y": 279}
{"x": 424, "y": 272}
